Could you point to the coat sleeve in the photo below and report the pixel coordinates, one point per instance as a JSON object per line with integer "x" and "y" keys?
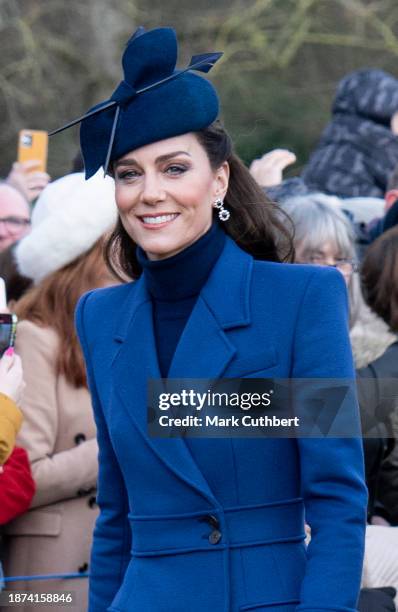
{"x": 10, "y": 423}
{"x": 58, "y": 475}
{"x": 16, "y": 486}
{"x": 112, "y": 535}
{"x": 388, "y": 485}
{"x": 332, "y": 471}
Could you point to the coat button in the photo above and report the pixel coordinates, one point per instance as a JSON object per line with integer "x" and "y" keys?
{"x": 84, "y": 492}
{"x": 92, "y": 502}
{"x": 213, "y": 521}
{"x": 215, "y": 536}
{"x": 79, "y": 438}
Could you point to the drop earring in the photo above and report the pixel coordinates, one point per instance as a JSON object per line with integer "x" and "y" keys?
{"x": 223, "y": 213}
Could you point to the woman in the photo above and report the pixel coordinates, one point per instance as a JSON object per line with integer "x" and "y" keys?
{"x": 16, "y": 482}
{"x": 63, "y": 255}
{"x": 323, "y": 235}
{"x": 379, "y": 275}
{"x": 212, "y": 524}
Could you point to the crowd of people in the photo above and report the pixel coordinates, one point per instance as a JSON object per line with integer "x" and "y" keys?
{"x": 342, "y": 212}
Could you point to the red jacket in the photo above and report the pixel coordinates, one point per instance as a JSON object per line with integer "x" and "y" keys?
{"x": 17, "y": 486}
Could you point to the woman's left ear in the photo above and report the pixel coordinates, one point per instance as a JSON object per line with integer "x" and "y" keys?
{"x": 222, "y": 180}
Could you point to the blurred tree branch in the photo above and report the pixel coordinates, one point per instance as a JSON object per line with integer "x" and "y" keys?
{"x": 271, "y": 32}
{"x": 56, "y": 58}
{"x": 282, "y": 59}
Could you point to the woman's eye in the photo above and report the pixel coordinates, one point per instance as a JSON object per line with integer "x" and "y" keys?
{"x": 175, "y": 169}
{"x": 127, "y": 175}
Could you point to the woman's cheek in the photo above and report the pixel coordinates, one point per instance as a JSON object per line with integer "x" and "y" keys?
{"x": 120, "y": 201}
{"x": 123, "y": 197}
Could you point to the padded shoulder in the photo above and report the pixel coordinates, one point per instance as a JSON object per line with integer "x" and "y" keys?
{"x": 293, "y": 278}
{"x": 99, "y": 311}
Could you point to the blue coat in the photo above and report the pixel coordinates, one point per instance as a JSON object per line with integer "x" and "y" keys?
{"x": 252, "y": 318}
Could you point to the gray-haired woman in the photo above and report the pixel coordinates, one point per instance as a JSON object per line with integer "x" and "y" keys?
{"x": 323, "y": 235}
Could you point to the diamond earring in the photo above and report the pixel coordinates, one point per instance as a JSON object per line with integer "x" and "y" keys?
{"x": 223, "y": 213}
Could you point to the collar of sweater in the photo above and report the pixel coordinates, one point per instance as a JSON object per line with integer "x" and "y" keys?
{"x": 183, "y": 275}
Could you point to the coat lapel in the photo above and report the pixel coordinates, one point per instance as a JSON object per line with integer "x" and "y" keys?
{"x": 204, "y": 351}
{"x": 134, "y": 365}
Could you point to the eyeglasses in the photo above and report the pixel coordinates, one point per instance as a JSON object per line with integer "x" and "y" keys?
{"x": 13, "y": 224}
{"x": 346, "y": 266}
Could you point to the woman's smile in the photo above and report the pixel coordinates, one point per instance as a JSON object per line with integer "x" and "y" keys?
{"x": 157, "y": 221}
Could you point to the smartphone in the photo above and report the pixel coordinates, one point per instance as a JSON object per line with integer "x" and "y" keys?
{"x": 8, "y": 330}
{"x": 3, "y": 295}
{"x": 8, "y": 322}
{"x": 33, "y": 145}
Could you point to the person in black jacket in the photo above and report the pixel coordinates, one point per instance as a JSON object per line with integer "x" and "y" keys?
{"x": 359, "y": 148}
{"x": 378, "y": 382}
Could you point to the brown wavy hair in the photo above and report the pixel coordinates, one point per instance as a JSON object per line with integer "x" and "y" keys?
{"x": 379, "y": 276}
{"x": 52, "y": 303}
{"x": 256, "y": 224}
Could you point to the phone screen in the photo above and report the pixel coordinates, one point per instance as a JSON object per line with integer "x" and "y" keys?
{"x": 8, "y": 328}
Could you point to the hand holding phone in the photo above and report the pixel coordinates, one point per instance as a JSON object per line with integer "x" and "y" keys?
{"x": 11, "y": 376}
{"x": 8, "y": 329}
{"x": 25, "y": 177}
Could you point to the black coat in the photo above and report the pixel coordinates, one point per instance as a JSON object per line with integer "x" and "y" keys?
{"x": 357, "y": 151}
{"x": 379, "y": 599}
{"x": 378, "y": 400}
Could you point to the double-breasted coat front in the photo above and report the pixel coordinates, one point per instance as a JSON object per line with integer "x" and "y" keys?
{"x": 220, "y": 526}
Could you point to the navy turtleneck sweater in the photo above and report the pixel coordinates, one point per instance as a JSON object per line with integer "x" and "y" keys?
{"x": 174, "y": 285}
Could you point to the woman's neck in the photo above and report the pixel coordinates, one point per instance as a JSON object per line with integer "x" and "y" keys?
{"x": 184, "y": 274}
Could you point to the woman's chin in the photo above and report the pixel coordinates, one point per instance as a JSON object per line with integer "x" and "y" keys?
{"x": 162, "y": 251}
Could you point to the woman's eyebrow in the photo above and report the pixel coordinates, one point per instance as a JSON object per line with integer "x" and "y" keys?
{"x": 130, "y": 161}
{"x": 167, "y": 156}
{"x": 125, "y": 162}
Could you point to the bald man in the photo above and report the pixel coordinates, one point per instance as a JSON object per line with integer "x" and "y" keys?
{"x": 14, "y": 216}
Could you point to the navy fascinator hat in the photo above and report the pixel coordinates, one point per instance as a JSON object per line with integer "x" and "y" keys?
{"x": 154, "y": 101}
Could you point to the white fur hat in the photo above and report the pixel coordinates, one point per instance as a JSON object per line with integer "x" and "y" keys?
{"x": 70, "y": 215}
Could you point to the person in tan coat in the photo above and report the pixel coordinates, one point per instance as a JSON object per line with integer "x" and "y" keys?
{"x": 63, "y": 255}
{"x": 16, "y": 482}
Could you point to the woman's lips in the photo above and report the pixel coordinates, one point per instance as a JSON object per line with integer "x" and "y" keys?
{"x": 154, "y": 222}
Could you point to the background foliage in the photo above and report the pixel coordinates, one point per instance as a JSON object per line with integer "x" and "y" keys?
{"x": 283, "y": 59}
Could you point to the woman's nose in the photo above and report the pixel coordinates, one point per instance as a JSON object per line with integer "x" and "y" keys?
{"x": 152, "y": 190}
